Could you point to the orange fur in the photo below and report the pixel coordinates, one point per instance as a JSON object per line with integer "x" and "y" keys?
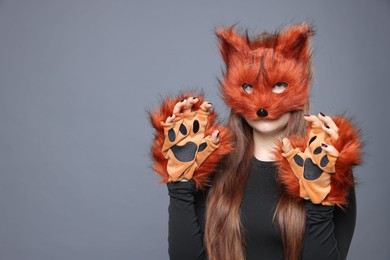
{"x": 349, "y": 146}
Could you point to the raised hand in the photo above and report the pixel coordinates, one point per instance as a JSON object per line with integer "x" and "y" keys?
{"x": 185, "y": 145}
{"x": 188, "y": 144}
{"x": 314, "y": 166}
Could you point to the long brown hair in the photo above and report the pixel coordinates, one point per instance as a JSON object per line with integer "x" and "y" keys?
{"x": 223, "y": 236}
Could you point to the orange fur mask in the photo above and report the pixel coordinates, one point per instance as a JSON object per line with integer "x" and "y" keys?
{"x": 266, "y": 76}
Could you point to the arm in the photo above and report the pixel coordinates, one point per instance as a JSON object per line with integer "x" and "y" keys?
{"x": 185, "y": 237}
{"x": 329, "y": 230}
{"x": 187, "y": 146}
{"x": 344, "y": 222}
{"x": 322, "y": 175}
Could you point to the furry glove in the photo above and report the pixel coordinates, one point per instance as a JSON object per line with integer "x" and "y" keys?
{"x": 182, "y": 148}
{"x": 321, "y": 173}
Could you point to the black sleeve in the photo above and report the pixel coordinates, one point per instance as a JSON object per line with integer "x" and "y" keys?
{"x": 185, "y": 235}
{"x": 329, "y": 230}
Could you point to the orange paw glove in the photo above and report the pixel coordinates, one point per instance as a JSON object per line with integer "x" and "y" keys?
{"x": 322, "y": 173}
{"x": 187, "y": 144}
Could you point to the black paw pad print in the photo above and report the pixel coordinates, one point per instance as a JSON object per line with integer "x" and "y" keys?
{"x": 185, "y": 153}
{"x": 311, "y": 171}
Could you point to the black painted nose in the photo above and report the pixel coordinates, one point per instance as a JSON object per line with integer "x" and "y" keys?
{"x": 262, "y": 112}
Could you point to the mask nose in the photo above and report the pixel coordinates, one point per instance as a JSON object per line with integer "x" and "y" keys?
{"x": 262, "y": 112}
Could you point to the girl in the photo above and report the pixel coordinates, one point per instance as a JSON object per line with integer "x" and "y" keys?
{"x": 282, "y": 183}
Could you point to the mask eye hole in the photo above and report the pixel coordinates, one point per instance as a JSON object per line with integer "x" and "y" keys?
{"x": 279, "y": 87}
{"x": 247, "y": 88}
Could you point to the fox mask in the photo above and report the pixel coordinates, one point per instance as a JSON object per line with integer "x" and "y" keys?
{"x": 268, "y": 75}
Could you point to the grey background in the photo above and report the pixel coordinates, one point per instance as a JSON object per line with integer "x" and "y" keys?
{"x": 75, "y": 80}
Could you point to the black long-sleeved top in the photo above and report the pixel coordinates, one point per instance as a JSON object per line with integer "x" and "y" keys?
{"x": 328, "y": 231}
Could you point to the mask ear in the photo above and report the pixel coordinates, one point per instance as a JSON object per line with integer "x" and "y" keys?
{"x": 294, "y": 42}
{"x": 230, "y": 42}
